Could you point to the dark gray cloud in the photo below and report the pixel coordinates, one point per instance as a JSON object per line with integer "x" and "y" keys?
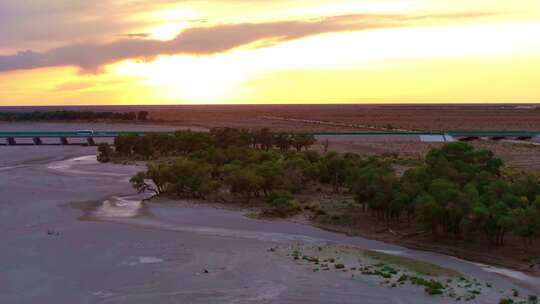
{"x": 137, "y": 35}
{"x": 202, "y": 41}
{"x": 41, "y": 24}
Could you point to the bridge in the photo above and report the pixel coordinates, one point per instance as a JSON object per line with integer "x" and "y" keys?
{"x": 441, "y": 136}
{"x": 495, "y": 135}
{"x": 90, "y": 137}
{"x": 37, "y": 137}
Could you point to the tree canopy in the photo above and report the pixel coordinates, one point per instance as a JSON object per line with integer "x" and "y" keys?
{"x": 456, "y": 192}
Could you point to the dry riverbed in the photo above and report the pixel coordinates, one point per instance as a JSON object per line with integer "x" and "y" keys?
{"x": 73, "y": 231}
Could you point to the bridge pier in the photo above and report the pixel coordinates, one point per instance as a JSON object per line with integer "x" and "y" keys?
{"x": 90, "y": 141}
{"x": 11, "y": 141}
{"x": 37, "y": 141}
{"x": 64, "y": 141}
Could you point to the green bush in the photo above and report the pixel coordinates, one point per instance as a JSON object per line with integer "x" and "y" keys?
{"x": 104, "y": 153}
{"x": 282, "y": 204}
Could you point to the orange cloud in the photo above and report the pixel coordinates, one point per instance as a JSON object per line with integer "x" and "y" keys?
{"x": 206, "y": 40}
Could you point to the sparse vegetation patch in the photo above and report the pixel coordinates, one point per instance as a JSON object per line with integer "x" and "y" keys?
{"x": 398, "y": 272}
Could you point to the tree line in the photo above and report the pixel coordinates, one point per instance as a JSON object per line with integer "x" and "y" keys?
{"x": 185, "y": 143}
{"x": 457, "y": 192}
{"x": 72, "y": 115}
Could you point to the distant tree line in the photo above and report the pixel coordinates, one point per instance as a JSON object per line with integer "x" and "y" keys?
{"x": 72, "y": 115}
{"x": 458, "y": 192}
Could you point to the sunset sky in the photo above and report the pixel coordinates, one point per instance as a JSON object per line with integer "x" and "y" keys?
{"x": 70, "y": 52}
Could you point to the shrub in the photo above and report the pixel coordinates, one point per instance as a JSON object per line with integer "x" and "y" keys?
{"x": 104, "y": 153}
{"x": 282, "y": 203}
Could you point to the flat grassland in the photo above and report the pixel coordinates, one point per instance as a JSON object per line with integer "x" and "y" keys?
{"x": 343, "y": 118}
{"x": 356, "y": 117}
{"x": 524, "y": 157}
{"x": 419, "y": 117}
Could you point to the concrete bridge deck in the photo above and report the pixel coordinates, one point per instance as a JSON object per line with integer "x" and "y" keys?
{"x": 64, "y": 137}
{"x": 72, "y": 134}
{"x": 448, "y": 136}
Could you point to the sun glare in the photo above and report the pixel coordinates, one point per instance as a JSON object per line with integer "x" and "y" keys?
{"x": 168, "y": 23}
{"x": 168, "y": 31}
{"x": 343, "y": 8}
{"x": 192, "y": 79}
{"x": 229, "y": 76}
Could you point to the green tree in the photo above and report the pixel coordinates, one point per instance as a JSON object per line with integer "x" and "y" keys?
{"x": 270, "y": 172}
{"x": 369, "y": 181}
{"x": 265, "y": 139}
{"x": 334, "y": 170}
{"x": 282, "y": 203}
{"x": 242, "y": 181}
{"x": 526, "y": 223}
{"x": 302, "y": 141}
{"x": 125, "y": 144}
{"x": 138, "y": 181}
{"x": 451, "y": 203}
{"x": 160, "y": 176}
{"x": 429, "y": 212}
{"x": 283, "y": 141}
{"x": 104, "y": 152}
{"x": 144, "y": 147}
{"x": 142, "y": 115}
{"x": 188, "y": 178}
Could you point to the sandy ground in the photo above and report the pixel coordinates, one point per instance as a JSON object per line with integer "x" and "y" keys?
{"x": 73, "y": 231}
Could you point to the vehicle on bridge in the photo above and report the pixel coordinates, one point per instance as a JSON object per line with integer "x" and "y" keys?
{"x": 85, "y": 132}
